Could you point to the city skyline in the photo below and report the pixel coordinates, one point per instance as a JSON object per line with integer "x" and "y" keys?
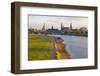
{"x": 38, "y": 21}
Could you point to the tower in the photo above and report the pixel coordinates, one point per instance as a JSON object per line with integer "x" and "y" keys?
{"x": 71, "y": 26}
{"x": 52, "y": 27}
{"x": 43, "y": 28}
{"x": 61, "y": 26}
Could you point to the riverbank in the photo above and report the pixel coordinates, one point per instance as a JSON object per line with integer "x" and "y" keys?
{"x": 59, "y": 46}
{"x": 42, "y": 47}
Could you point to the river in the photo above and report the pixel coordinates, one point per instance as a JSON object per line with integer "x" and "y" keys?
{"x": 76, "y": 46}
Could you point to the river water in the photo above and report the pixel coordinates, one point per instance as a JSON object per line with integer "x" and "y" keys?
{"x": 76, "y": 46}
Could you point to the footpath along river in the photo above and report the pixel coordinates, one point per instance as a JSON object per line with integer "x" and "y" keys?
{"x": 76, "y": 46}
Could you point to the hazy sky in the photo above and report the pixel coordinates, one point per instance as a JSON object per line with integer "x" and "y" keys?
{"x": 37, "y": 21}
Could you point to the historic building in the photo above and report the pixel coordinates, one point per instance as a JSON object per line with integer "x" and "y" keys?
{"x": 63, "y": 31}
{"x": 53, "y": 31}
{"x": 66, "y": 29}
{"x": 83, "y": 30}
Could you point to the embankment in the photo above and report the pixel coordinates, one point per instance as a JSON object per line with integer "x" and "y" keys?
{"x": 61, "y": 52}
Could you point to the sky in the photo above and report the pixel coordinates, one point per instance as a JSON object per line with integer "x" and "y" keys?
{"x": 37, "y": 21}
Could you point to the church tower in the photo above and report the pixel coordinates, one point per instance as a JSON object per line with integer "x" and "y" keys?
{"x": 71, "y": 26}
{"x": 43, "y": 28}
{"x": 61, "y": 26}
{"x": 52, "y": 27}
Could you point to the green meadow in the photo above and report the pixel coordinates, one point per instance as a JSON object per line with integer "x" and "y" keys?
{"x": 39, "y": 47}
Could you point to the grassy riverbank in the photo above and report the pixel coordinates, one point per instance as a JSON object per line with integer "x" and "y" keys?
{"x": 41, "y": 47}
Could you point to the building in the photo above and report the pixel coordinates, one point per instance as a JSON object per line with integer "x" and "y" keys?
{"x": 66, "y": 29}
{"x": 43, "y": 29}
{"x": 83, "y": 30}
{"x": 54, "y": 31}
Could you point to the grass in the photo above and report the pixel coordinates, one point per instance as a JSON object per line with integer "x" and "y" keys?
{"x": 38, "y": 47}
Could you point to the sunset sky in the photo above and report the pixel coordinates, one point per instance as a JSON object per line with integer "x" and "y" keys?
{"x": 37, "y": 21}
